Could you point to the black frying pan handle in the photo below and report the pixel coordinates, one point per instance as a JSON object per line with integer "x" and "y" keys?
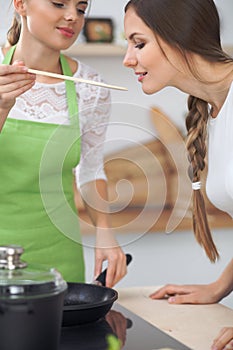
{"x": 102, "y": 277}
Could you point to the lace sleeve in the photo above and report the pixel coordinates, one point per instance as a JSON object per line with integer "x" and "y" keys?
{"x": 94, "y": 113}
{"x": 47, "y": 103}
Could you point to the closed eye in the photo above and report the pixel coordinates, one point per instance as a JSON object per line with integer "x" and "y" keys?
{"x": 82, "y": 7}
{"x": 140, "y": 46}
{"x": 83, "y": 12}
{"x": 58, "y": 4}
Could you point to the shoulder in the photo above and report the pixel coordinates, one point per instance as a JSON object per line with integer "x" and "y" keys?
{"x": 80, "y": 69}
{"x": 87, "y": 72}
{"x": 90, "y": 95}
{"x": 91, "y": 92}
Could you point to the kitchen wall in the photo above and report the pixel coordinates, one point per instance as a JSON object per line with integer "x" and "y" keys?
{"x": 160, "y": 258}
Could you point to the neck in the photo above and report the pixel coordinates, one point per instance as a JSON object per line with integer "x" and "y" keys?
{"x": 212, "y": 87}
{"x": 37, "y": 56}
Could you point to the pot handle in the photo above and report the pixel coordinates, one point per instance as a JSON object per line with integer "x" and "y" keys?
{"x": 101, "y": 279}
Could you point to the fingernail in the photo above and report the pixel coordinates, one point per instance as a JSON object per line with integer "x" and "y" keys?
{"x": 171, "y": 300}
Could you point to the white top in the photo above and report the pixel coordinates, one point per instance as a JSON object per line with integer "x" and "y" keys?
{"x": 46, "y": 103}
{"x": 219, "y": 185}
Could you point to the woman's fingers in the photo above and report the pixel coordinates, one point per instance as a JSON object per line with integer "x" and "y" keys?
{"x": 117, "y": 268}
{"x": 170, "y": 289}
{"x": 186, "y": 294}
{"x": 224, "y": 340}
{"x": 14, "y": 81}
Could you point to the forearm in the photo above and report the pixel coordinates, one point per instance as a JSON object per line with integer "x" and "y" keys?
{"x": 225, "y": 281}
{"x": 95, "y": 197}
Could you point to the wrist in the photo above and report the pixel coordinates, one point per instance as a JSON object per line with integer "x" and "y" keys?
{"x": 3, "y": 116}
{"x": 222, "y": 288}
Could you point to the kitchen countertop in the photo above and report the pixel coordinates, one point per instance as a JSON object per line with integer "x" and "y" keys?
{"x": 193, "y": 325}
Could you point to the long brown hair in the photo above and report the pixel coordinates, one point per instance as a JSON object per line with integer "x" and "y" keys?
{"x": 190, "y": 26}
{"x": 15, "y": 29}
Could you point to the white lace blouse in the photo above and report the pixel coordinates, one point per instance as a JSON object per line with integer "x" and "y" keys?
{"x": 46, "y": 103}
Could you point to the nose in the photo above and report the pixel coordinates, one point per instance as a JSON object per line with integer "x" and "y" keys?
{"x": 71, "y": 13}
{"x": 129, "y": 60}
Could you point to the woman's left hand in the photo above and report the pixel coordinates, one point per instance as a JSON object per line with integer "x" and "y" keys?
{"x": 107, "y": 248}
{"x": 224, "y": 340}
{"x": 95, "y": 197}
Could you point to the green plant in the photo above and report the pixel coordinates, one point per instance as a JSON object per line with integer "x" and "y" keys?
{"x": 113, "y": 342}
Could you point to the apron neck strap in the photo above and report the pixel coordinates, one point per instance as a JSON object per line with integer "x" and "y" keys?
{"x": 8, "y": 57}
{"x": 70, "y": 85}
{"x": 70, "y": 89}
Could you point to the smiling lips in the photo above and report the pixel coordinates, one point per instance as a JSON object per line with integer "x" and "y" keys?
{"x": 68, "y": 32}
{"x": 141, "y": 76}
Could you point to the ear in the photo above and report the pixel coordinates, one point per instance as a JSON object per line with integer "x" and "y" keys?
{"x": 20, "y": 7}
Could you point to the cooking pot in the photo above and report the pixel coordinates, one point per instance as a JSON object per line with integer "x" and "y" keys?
{"x": 85, "y": 303}
{"x": 31, "y": 302}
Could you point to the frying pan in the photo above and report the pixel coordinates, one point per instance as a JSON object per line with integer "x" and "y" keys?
{"x": 84, "y": 303}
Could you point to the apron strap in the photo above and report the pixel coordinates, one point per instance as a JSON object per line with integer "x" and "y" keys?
{"x": 8, "y": 56}
{"x": 70, "y": 85}
{"x": 70, "y": 88}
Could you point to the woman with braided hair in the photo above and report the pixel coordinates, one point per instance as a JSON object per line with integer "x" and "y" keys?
{"x": 177, "y": 43}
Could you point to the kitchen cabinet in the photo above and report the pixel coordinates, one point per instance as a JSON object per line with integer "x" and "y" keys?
{"x": 109, "y": 49}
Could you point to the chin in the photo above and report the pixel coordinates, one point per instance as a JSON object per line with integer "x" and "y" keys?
{"x": 148, "y": 91}
{"x": 152, "y": 89}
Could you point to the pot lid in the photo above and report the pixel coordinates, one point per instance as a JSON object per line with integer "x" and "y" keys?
{"x": 20, "y": 280}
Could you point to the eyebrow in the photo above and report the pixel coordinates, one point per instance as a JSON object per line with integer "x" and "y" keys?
{"x": 133, "y": 35}
{"x": 82, "y": 2}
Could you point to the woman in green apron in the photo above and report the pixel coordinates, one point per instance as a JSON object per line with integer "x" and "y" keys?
{"x": 48, "y": 128}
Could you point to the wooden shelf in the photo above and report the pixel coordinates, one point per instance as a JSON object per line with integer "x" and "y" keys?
{"x": 108, "y": 50}
{"x": 125, "y": 221}
{"x": 96, "y": 49}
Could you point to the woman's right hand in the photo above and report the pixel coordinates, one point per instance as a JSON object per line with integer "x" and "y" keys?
{"x": 14, "y": 81}
{"x": 224, "y": 339}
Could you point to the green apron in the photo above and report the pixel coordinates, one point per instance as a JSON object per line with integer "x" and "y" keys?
{"x": 37, "y": 209}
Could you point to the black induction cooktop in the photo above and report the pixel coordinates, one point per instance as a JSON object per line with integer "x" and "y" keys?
{"x": 134, "y": 332}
